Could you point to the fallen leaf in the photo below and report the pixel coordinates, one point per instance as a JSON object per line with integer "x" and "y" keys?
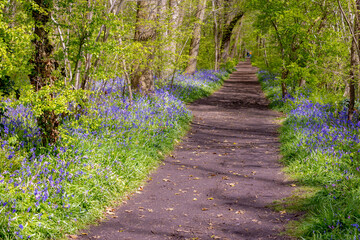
{"x": 194, "y": 199}
{"x": 210, "y": 198}
{"x": 282, "y": 212}
{"x": 231, "y": 184}
{"x": 128, "y": 211}
{"x": 254, "y": 220}
{"x": 240, "y": 212}
{"x": 169, "y": 209}
{"x": 110, "y": 211}
{"x": 73, "y": 236}
{"x": 84, "y": 233}
{"x": 196, "y": 178}
{"x": 177, "y": 193}
{"x": 215, "y": 237}
{"x": 204, "y": 209}
{"x": 293, "y": 185}
{"x": 150, "y": 210}
{"x": 219, "y": 215}
{"x": 166, "y": 180}
{"x": 225, "y": 178}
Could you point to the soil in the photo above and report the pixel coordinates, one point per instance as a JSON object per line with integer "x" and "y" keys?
{"x": 219, "y": 182}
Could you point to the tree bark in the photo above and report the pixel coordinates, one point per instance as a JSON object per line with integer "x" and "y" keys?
{"x": 216, "y": 34}
{"x": 174, "y": 23}
{"x": 354, "y": 63}
{"x": 226, "y": 38}
{"x": 44, "y": 65}
{"x": 145, "y": 32}
{"x": 284, "y": 75}
{"x": 234, "y": 49}
{"x": 195, "y": 41}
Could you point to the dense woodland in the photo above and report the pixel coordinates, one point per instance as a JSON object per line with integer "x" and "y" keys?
{"x": 79, "y": 77}
{"x": 309, "y": 44}
{"x": 94, "y": 95}
{"x": 58, "y": 50}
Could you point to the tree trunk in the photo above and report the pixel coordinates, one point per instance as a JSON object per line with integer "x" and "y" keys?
{"x": 354, "y": 62}
{"x": 216, "y": 34}
{"x": 284, "y": 75}
{"x": 44, "y": 65}
{"x": 145, "y": 32}
{"x": 234, "y": 49}
{"x": 265, "y": 53}
{"x": 174, "y": 23}
{"x": 226, "y": 38}
{"x": 302, "y": 82}
{"x": 354, "y": 65}
{"x": 195, "y": 41}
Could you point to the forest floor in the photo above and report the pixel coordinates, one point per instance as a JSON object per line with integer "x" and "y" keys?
{"x": 219, "y": 182}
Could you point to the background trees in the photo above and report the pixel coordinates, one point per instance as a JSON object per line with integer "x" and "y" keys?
{"x": 63, "y": 48}
{"x": 311, "y": 44}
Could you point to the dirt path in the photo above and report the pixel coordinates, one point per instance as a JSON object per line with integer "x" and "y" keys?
{"x": 219, "y": 180}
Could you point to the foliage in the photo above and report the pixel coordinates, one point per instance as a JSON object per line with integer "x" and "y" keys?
{"x": 104, "y": 151}
{"x": 301, "y": 41}
{"x": 321, "y": 150}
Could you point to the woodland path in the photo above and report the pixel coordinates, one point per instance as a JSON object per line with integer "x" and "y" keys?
{"x": 219, "y": 180}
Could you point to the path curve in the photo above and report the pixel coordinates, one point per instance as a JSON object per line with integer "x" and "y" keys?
{"x": 219, "y": 180}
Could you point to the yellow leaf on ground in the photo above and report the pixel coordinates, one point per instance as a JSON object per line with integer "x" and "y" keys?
{"x": 240, "y": 212}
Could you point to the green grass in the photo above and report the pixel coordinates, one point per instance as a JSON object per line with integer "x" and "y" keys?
{"x": 103, "y": 155}
{"x": 327, "y": 196}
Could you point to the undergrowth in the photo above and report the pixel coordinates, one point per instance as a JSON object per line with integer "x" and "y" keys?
{"x": 320, "y": 149}
{"x": 104, "y": 152}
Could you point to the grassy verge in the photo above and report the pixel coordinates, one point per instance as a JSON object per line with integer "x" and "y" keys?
{"x": 320, "y": 149}
{"x": 104, "y": 152}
